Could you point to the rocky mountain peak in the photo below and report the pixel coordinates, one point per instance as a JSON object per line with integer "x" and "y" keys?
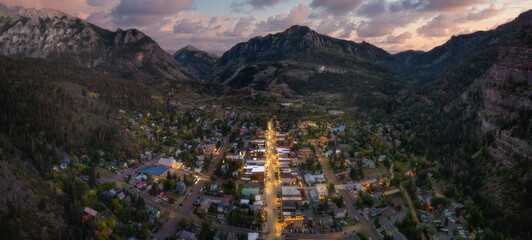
{"x": 47, "y": 33}
{"x": 197, "y": 62}
{"x": 36, "y": 14}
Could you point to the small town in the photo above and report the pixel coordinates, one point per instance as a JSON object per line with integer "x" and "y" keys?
{"x": 216, "y": 171}
{"x": 266, "y": 119}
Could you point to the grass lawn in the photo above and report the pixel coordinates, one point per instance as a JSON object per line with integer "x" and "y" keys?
{"x": 350, "y": 221}
{"x": 381, "y": 171}
{"x": 104, "y": 172}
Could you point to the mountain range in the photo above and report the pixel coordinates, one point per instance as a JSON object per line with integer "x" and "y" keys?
{"x": 48, "y": 33}
{"x": 467, "y": 101}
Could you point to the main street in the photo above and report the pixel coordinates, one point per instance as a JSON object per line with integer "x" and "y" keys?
{"x": 273, "y": 228}
{"x": 365, "y": 225}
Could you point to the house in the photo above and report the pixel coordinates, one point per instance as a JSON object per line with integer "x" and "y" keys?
{"x": 323, "y": 140}
{"x": 186, "y": 235}
{"x": 155, "y": 171}
{"x": 369, "y": 163}
{"x": 311, "y": 179}
{"x": 180, "y": 187}
{"x": 206, "y": 203}
{"x": 121, "y": 196}
{"x": 112, "y": 192}
{"x": 253, "y": 236}
{"x": 169, "y": 162}
{"x": 209, "y": 148}
{"x": 154, "y": 213}
{"x": 391, "y": 230}
{"x": 221, "y": 207}
{"x": 304, "y": 153}
{"x": 375, "y": 212}
{"x": 398, "y": 218}
{"x": 313, "y": 195}
{"x": 340, "y": 213}
{"x": 90, "y": 212}
{"x": 382, "y": 158}
{"x": 141, "y": 184}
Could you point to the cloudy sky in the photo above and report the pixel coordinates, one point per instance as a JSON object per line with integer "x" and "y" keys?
{"x": 216, "y": 25}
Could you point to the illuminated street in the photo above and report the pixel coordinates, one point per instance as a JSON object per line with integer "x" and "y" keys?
{"x": 273, "y": 224}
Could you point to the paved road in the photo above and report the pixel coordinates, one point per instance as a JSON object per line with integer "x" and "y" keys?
{"x": 273, "y": 228}
{"x": 365, "y": 225}
{"x": 187, "y": 208}
{"x": 336, "y": 235}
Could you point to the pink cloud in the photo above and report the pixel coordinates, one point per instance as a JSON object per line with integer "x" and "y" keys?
{"x": 489, "y": 12}
{"x": 280, "y": 22}
{"x": 147, "y": 12}
{"x": 401, "y": 38}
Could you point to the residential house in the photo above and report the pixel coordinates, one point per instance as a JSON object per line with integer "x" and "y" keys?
{"x": 90, "y": 212}
{"x": 180, "y": 187}
{"x": 340, "y": 213}
{"x": 391, "y": 230}
{"x": 304, "y": 153}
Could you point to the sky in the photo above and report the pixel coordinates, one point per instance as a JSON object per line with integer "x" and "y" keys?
{"x": 217, "y": 25}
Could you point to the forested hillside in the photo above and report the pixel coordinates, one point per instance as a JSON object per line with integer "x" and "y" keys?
{"x": 480, "y": 135}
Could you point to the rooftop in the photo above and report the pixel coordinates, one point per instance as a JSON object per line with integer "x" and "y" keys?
{"x": 290, "y": 190}
{"x": 156, "y": 170}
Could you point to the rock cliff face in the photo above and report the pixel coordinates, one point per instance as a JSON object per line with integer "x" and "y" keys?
{"x": 501, "y": 101}
{"x": 196, "y": 62}
{"x": 46, "y": 33}
{"x": 503, "y": 98}
{"x": 431, "y": 65}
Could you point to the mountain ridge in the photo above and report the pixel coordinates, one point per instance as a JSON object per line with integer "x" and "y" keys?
{"x": 197, "y": 62}
{"x": 48, "y": 33}
{"x": 431, "y": 65}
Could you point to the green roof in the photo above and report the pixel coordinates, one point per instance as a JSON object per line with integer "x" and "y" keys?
{"x": 250, "y": 191}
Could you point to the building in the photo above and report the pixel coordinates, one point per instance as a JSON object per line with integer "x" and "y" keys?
{"x": 375, "y": 212}
{"x": 250, "y": 191}
{"x": 289, "y": 206}
{"x": 340, "y": 213}
{"x": 169, "y": 162}
{"x": 155, "y": 171}
{"x": 291, "y": 194}
{"x": 186, "y": 235}
{"x": 391, "y": 230}
{"x": 180, "y": 187}
{"x": 390, "y": 192}
{"x": 311, "y": 179}
{"x": 90, "y": 212}
{"x": 209, "y": 148}
{"x": 304, "y": 153}
{"x": 313, "y": 196}
{"x": 322, "y": 191}
{"x": 255, "y": 171}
